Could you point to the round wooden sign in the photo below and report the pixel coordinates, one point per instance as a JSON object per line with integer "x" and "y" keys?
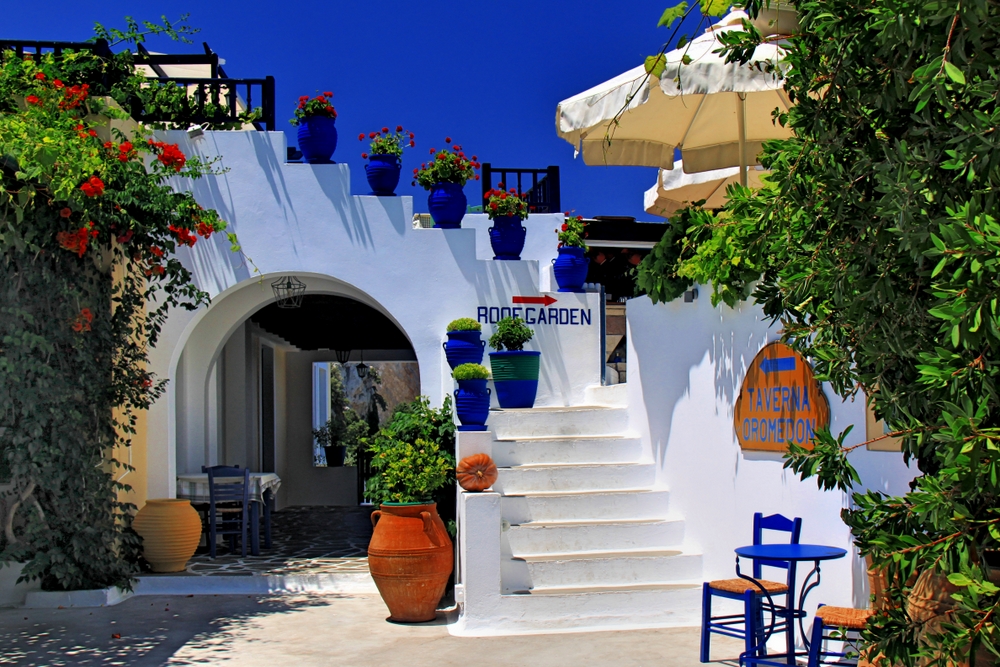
{"x": 780, "y": 402}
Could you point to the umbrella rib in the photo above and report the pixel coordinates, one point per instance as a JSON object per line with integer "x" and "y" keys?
{"x": 688, "y": 128}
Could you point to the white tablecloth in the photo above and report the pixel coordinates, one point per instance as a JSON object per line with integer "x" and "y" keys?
{"x": 194, "y": 486}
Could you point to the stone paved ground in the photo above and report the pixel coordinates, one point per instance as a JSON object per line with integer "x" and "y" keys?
{"x": 310, "y": 630}
{"x": 305, "y": 540}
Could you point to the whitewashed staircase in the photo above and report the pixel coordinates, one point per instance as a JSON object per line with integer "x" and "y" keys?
{"x": 587, "y": 542}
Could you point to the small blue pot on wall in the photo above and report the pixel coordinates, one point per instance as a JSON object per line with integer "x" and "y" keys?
{"x": 570, "y": 268}
{"x": 472, "y": 404}
{"x": 464, "y": 347}
{"x": 507, "y": 237}
{"x": 383, "y": 174}
{"x": 447, "y": 205}
{"x": 317, "y": 138}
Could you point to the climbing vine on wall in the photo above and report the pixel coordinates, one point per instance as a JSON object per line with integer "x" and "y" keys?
{"x": 88, "y": 233}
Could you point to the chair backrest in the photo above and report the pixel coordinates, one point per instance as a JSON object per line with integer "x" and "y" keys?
{"x": 776, "y": 523}
{"x": 228, "y": 484}
{"x": 205, "y": 468}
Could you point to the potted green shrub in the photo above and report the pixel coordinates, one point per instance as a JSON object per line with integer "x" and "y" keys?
{"x": 472, "y": 398}
{"x": 515, "y": 370}
{"x": 410, "y": 554}
{"x": 465, "y": 342}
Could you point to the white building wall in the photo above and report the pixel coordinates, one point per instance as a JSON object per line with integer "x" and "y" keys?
{"x": 686, "y": 362}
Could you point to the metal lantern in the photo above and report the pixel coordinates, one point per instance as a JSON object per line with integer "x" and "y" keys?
{"x": 343, "y": 356}
{"x": 288, "y": 290}
{"x": 362, "y": 368}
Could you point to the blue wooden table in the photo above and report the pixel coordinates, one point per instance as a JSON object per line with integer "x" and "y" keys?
{"x": 794, "y": 609}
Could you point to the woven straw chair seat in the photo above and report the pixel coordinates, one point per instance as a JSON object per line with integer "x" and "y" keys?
{"x": 844, "y": 617}
{"x": 740, "y": 586}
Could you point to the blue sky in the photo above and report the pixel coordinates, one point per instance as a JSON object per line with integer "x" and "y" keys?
{"x": 489, "y": 75}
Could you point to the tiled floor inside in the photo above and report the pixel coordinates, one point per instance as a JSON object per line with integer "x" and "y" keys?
{"x": 305, "y": 541}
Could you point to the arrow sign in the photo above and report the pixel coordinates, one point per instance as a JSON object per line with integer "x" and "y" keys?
{"x": 777, "y": 365}
{"x": 543, "y": 300}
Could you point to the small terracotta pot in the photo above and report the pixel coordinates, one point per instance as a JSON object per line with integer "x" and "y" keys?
{"x": 170, "y": 529}
{"x": 410, "y": 557}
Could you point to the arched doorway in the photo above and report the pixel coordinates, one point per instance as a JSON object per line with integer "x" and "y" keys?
{"x": 242, "y": 386}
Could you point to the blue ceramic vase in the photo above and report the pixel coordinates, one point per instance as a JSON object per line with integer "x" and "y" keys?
{"x": 507, "y": 237}
{"x": 464, "y": 347}
{"x": 472, "y": 404}
{"x": 383, "y": 174}
{"x": 570, "y": 268}
{"x": 447, "y": 204}
{"x": 317, "y": 138}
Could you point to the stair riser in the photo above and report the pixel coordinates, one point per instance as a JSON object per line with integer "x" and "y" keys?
{"x": 525, "y": 540}
{"x": 574, "y": 478}
{"x": 626, "y": 505}
{"x": 611, "y": 396}
{"x": 615, "y": 571}
{"x": 612, "y": 450}
{"x": 511, "y": 425}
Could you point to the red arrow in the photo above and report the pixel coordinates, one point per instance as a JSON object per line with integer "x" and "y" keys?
{"x": 544, "y": 300}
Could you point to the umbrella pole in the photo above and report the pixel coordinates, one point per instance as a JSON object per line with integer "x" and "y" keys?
{"x": 741, "y": 122}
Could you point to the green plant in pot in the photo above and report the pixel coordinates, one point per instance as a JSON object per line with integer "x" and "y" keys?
{"x": 515, "y": 370}
{"x": 472, "y": 398}
{"x": 465, "y": 343}
{"x": 410, "y": 554}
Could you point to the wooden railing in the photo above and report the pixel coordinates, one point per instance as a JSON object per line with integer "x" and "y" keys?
{"x": 542, "y": 185}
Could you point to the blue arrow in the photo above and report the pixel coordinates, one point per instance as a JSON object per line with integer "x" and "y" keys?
{"x": 777, "y": 365}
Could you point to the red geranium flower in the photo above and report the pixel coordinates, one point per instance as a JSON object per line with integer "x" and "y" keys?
{"x": 361, "y": 137}
{"x": 364, "y": 155}
{"x": 412, "y": 144}
{"x": 65, "y": 213}
{"x": 40, "y": 76}
{"x": 31, "y": 99}
{"x": 399, "y": 128}
{"x": 447, "y": 140}
{"x": 57, "y": 83}
{"x": 385, "y": 130}
{"x": 328, "y": 94}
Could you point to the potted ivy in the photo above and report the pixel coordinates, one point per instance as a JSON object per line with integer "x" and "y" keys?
{"x": 472, "y": 398}
{"x": 515, "y": 370}
{"x": 410, "y": 555}
{"x": 385, "y": 159}
{"x": 465, "y": 344}
{"x": 444, "y": 177}
{"x": 570, "y": 267}
{"x": 316, "y": 119}
{"x": 507, "y": 210}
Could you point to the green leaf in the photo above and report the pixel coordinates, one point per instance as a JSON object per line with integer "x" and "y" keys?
{"x": 954, "y": 73}
{"x": 655, "y": 65}
{"x": 686, "y": 59}
{"x": 714, "y": 7}
{"x": 671, "y": 14}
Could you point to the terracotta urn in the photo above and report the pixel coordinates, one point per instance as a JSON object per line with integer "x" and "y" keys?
{"x": 410, "y": 557}
{"x": 170, "y": 529}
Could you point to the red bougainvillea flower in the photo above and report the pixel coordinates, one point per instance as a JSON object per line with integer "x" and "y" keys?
{"x": 74, "y": 241}
{"x": 126, "y": 237}
{"x": 83, "y": 320}
{"x": 204, "y": 229}
{"x": 32, "y": 99}
{"x": 40, "y": 76}
{"x": 94, "y": 187}
{"x": 57, "y": 83}
{"x": 92, "y": 133}
{"x": 184, "y": 236}
{"x": 65, "y": 213}
{"x": 156, "y": 252}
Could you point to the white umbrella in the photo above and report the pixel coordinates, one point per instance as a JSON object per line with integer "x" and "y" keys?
{"x": 718, "y": 114}
{"x": 676, "y": 189}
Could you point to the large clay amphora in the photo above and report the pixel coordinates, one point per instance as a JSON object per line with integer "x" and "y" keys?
{"x": 410, "y": 557}
{"x": 170, "y": 529}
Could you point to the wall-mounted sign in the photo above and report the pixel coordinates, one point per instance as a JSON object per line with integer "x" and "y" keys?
{"x": 536, "y": 310}
{"x": 780, "y": 402}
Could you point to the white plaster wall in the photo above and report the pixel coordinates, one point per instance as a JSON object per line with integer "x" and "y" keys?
{"x": 686, "y": 363}
{"x": 301, "y": 219}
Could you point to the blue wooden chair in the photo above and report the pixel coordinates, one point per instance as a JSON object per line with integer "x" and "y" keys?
{"x": 749, "y": 626}
{"x": 228, "y": 506}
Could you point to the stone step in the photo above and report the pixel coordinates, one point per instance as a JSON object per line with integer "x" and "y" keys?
{"x": 581, "y": 506}
{"x": 607, "y": 569}
{"x": 597, "y": 608}
{"x": 566, "y": 450}
{"x": 615, "y": 395}
{"x": 548, "y": 537}
{"x": 527, "y": 479}
{"x": 558, "y": 422}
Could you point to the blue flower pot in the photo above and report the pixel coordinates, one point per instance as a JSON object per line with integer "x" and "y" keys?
{"x": 472, "y": 404}
{"x": 447, "y": 204}
{"x": 317, "y": 138}
{"x": 383, "y": 174}
{"x": 515, "y": 376}
{"x": 464, "y": 347}
{"x": 507, "y": 237}
{"x": 570, "y": 268}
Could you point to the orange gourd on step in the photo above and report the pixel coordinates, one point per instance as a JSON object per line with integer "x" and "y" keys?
{"x": 476, "y": 472}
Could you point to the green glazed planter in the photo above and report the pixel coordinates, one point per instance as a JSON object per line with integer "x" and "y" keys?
{"x": 507, "y": 366}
